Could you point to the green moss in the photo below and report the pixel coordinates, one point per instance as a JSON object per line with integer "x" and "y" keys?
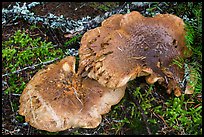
{"x": 104, "y": 6}
{"x": 73, "y": 40}
{"x": 21, "y": 51}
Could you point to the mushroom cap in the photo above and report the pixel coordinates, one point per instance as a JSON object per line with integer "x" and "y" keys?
{"x": 138, "y": 44}
{"x": 55, "y": 99}
{"x": 92, "y": 40}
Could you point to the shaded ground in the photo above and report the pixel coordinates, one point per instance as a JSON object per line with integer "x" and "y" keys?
{"x": 67, "y": 9}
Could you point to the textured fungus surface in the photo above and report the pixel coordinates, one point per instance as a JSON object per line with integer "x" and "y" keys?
{"x": 123, "y": 48}
{"x": 56, "y": 99}
{"x": 131, "y": 45}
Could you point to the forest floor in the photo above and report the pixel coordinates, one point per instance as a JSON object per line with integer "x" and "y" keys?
{"x": 115, "y": 122}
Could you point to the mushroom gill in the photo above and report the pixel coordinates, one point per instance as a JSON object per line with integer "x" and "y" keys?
{"x": 55, "y": 99}
{"x": 138, "y": 46}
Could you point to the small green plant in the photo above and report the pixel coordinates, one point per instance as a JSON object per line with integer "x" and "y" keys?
{"x": 145, "y": 100}
{"x": 16, "y": 84}
{"x": 190, "y": 34}
{"x": 103, "y": 8}
{"x": 73, "y": 40}
{"x": 21, "y": 51}
{"x": 127, "y": 114}
{"x": 196, "y": 78}
{"x": 153, "y": 9}
{"x": 181, "y": 116}
{"x": 20, "y": 118}
{"x": 179, "y": 62}
{"x": 177, "y": 112}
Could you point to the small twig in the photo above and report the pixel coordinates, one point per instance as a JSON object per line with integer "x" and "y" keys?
{"x": 11, "y": 102}
{"x": 30, "y": 67}
{"x": 58, "y": 5}
{"x": 44, "y": 34}
{"x": 82, "y": 5}
{"x": 197, "y": 105}
{"x": 55, "y": 37}
{"x": 13, "y": 94}
{"x": 163, "y": 120}
{"x": 142, "y": 113}
{"x": 48, "y": 28}
{"x": 106, "y": 120}
{"x": 9, "y": 132}
{"x": 4, "y": 83}
{"x": 54, "y": 46}
{"x": 11, "y": 24}
{"x": 143, "y": 116}
{"x": 32, "y": 35}
{"x": 28, "y": 132}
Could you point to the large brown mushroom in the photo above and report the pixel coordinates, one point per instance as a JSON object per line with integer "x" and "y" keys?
{"x": 131, "y": 46}
{"x": 123, "y": 48}
{"x": 55, "y": 99}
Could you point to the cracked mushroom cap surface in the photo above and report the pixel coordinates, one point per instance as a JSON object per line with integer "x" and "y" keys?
{"x": 55, "y": 99}
{"x": 138, "y": 46}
